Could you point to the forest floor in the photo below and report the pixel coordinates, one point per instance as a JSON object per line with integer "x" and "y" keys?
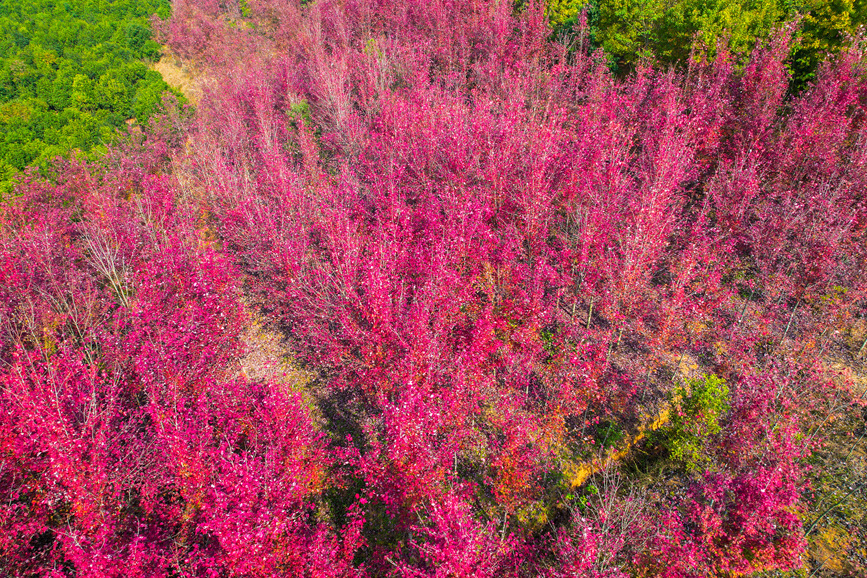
{"x": 836, "y": 520}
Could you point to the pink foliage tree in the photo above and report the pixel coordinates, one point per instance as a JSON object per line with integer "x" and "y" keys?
{"x": 489, "y": 249}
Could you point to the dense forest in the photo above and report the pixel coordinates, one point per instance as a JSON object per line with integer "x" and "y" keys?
{"x": 71, "y": 75}
{"x": 434, "y": 289}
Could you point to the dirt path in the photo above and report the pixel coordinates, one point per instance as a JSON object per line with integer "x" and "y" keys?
{"x": 268, "y": 358}
{"x": 179, "y": 76}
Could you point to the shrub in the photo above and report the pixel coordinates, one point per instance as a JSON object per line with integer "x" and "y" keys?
{"x": 698, "y": 406}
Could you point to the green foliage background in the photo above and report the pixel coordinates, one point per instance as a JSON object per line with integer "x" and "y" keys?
{"x": 629, "y": 30}
{"x": 71, "y": 73}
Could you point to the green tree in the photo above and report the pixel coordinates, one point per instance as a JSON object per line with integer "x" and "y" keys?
{"x": 827, "y": 27}
{"x": 82, "y": 92}
{"x": 111, "y": 93}
{"x": 628, "y": 29}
